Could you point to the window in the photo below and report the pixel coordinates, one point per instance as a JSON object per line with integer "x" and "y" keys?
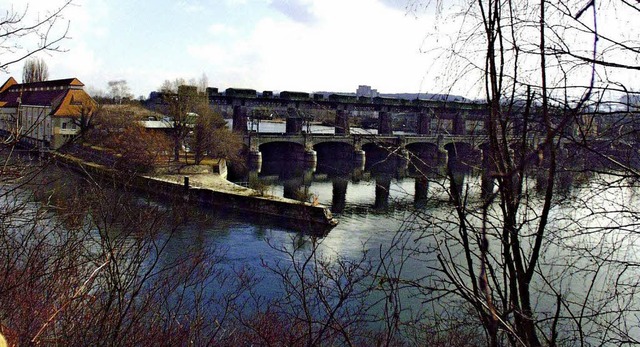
{"x": 64, "y": 125}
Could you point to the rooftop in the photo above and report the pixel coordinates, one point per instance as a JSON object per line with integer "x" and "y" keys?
{"x": 65, "y": 96}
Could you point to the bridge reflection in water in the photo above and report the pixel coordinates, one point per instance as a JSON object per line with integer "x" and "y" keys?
{"x": 384, "y": 168}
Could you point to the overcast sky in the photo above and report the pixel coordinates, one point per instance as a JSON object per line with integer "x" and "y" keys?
{"x": 295, "y": 45}
{"x": 303, "y": 45}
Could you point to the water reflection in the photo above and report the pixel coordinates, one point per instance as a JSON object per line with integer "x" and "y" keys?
{"x": 339, "y": 194}
{"x": 421, "y": 191}
{"x": 389, "y": 181}
{"x": 375, "y": 201}
{"x": 383, "y": 187}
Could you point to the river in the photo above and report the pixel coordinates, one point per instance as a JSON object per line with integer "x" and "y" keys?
{"x": 401, "y": 217}
{"x": 387, "y": 209}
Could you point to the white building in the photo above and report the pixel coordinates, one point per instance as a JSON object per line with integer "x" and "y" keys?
{"x": 366, "y": 91}
{"x": 43, "y": 114}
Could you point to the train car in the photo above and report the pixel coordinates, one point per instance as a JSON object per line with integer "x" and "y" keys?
{"x": 364, "y": 99}
{"x": 267, "y": 94}
{"x": 343, "y": 98}
{"x": 378, "y": 100}
{"x": 241, "y": 93}
{"x": 423, "y": 103}
{"x": 212, "y": 91}
{"x": 288, "y": 95}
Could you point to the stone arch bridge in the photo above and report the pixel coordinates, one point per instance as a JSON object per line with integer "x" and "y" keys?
{"x": 309, "y": 147}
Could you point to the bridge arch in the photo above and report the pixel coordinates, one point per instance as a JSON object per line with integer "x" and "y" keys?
{"x": 424, "y": 155}
{"x": 463, "y": 153}
{"x": 282, "y": 150}
{"x": 379, "y": 149}
{"x": 460, "y": 149}
{"x": 333, "y": 150}
{"x": 423, "y": 149}
{"x": 384, "y": 157}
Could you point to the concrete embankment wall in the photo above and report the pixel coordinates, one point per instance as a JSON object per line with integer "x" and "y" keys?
{"x": 304, "y": 214}
{"x": 290, "y": 209}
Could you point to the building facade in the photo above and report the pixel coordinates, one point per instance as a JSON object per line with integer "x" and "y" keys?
{"x": 366, "y": 92}
{"x": 44, "y": 115}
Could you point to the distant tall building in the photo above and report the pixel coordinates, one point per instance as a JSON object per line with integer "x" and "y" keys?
{"x": 366, "y": 91}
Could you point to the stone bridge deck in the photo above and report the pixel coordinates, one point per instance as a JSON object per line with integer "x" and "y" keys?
{"x": 357, "y": 141}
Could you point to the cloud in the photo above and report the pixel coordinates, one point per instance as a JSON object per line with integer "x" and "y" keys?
{"x": 350, "y": 43}
{"x": 222, "y": 29}
{"x": 300, "y": 11}
{"x": 278, "y": 54}
{"x": 397, "y": 4}
{"x": 305, "y": 45}
{"x": 191, "y": 6}
{"x": 85, "y": 23}
{"x": 213, "y": 54}
{"x": 235, "y": 2}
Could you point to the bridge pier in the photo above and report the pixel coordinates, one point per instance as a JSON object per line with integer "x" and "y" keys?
{"x": 311, "y": 158}
{"x": 359, "y": 164}
{"x": 488, "y": 162}
{"x": 253, "y": 180}
{"x": 423, "y": 123}
{"x": 294, "y": 121}
{"x": 486, "y": 185}
{"x": 383, "y": 186}
{"x": 359, "y": 157}
{"x": 342, "y": 122}
{"x": 239, "y": 119}
{"x": 384, "y": 123}
{"x": 297, "y": 187}
{"x": 442, "y": 156}
{"x": 404, "y": 159}
{"x": 456, "y": 183}
{"x": 255, "y": 160}
{"x": 453, "y": 158}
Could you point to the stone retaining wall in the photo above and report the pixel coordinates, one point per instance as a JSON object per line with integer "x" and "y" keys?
{"x": 305, "y": 215}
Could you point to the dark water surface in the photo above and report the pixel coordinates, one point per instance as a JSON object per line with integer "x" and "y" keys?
{"x": 393, "y": 206}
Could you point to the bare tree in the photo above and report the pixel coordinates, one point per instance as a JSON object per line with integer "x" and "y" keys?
{"x": 169, "y": 86}
{"x": 119, "y": 90}
{"x": 78, "y": 264}
{"x": 127, "y": 145}
{"x": 195, "y": 123}
{"x": 514, "y": 253}
{"x": 203, "y": 83}
{"x": 22, "y": 37}
{"x": 212, "y": 138}
{"x": 67, "y": 280}
{"x": 35, "y": 70}
{"x": 326, "y": 299}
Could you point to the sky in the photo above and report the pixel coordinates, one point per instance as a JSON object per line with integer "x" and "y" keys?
{"x": 295, "y": 45}
{"x": 394, "y": 46}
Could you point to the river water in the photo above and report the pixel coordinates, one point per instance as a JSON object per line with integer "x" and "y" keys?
{"x": 390, "y": 209}
{"x": 392, "y": 206}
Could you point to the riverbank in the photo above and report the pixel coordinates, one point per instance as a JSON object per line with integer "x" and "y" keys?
{"x": 212, "y": 189}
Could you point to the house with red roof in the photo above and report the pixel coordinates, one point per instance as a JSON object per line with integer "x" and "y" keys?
{"x": 45, "y": 115}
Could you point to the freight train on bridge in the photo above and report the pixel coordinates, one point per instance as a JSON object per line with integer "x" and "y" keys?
{"x": 441, "y": 127}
